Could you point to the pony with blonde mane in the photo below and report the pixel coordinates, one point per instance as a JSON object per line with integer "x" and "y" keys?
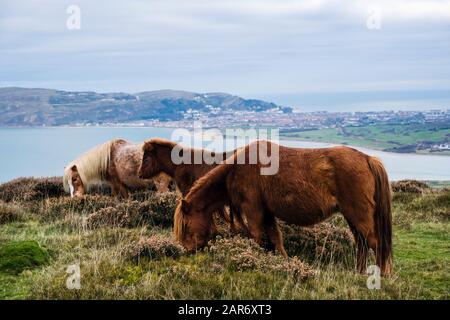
{"x": 115, "y": 162}
{"x": 309, "y": 187}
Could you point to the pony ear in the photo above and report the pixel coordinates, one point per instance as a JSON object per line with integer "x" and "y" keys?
{"x": 148, "y": 146}
{"x": 185, "y": 206}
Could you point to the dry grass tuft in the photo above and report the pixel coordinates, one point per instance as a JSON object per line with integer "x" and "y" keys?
{"x": 411, "y": 186}
{"x": 55, "y": 208}
{"x": 242, "y": 254}
{"x": 431, "y": 207}
{"x": 154, "y": 247}
{"x": 29, "y": 189}
{"x": 158, "y": 211}
{"x": 323, "y": 242}
{"x": 110, "y": 216}
{"x": 9, "y": 212}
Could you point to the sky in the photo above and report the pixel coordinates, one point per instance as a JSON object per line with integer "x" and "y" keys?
{"x": 334, "y": 55}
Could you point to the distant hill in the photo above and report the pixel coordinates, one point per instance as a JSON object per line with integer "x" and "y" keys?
{"x": 37, "y": 107}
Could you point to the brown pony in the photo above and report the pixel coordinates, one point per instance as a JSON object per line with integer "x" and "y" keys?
{"x": 310, "y": 185}
{"x": 157, "y": 159}
{"x": 115, "y": 162}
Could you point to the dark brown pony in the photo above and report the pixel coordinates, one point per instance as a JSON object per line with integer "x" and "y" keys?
{"x": 310, "y": 185}
{"x": 157, "y": 159}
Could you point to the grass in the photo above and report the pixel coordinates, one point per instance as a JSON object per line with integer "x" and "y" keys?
{"x": 381, "y": 137}
{"x": 424, "y": 257}
{"x": 131, "y": 258}
{"x": 17, "y": 256}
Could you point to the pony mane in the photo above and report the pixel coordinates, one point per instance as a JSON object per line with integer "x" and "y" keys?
{"x": 170, "y": 144}
{"x": 178, "y": 223}
{"x": 161, "y": 142}
{"x": 208, "y": 180}
{"x": 92, "y": 166}
{"x": 211, "y": 183}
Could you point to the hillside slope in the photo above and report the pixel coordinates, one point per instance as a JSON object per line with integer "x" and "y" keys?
{"x": 37, "y": 107}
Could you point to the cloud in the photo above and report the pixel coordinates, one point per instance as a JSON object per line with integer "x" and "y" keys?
{"x": 249, "y": 47}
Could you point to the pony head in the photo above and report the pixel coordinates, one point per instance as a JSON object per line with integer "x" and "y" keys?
{"x": 149, "y": 163}
{"x": 88, "y": 170}
{"x": 72, "y": 181}
{"x": 192, "y": 226}
{"x": 151, "y": 153}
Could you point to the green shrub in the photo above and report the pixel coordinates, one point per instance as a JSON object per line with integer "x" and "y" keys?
{"x": 18, "y": 256}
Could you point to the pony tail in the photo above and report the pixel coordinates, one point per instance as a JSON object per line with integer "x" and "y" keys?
{"x": 383, "y": 214}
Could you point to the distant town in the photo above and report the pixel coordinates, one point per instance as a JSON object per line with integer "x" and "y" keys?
{"x": 425, "y": 131}
{"x": 395, "y": 131}
{"x": 216, "y": 118}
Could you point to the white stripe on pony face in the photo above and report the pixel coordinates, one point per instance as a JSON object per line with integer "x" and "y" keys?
{"x": 71, "y": 188}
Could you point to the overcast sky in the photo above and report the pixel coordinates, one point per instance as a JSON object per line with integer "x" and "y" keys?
{"x": 313, "y": 54}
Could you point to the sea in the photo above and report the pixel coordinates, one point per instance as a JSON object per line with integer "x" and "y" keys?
{"x": 42, "y": 152}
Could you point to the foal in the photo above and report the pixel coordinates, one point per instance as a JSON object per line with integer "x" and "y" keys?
{"x": 310, "y": 185}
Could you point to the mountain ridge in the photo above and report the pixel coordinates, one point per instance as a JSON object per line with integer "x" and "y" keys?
{"x": 51, "y": 107}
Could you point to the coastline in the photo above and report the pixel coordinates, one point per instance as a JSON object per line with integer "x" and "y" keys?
{"x": 364, "y": 146}
{"x": 282, "y": 136}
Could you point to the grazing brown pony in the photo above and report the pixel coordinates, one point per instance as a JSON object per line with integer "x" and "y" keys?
{"x": 115, "y": 162}
{"x": 310, "y": 185}
{"x": 157, "y": 159}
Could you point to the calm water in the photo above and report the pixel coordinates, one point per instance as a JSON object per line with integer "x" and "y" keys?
{"x": 45, "y": 151}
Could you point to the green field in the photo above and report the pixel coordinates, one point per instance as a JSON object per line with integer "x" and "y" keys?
{"x": 125, "y": 251}
{"x": 382, "y": 137}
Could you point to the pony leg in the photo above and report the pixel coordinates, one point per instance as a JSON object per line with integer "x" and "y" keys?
{"x": 240, "y": 221}
{"x": 255, "y": 217}
{"x": 224, "y": 216}
{"x": 370, "y": 240}
{"x": 114, "y": 190}
{"x": 236, "y": 221}
{"x": 118, "y": 189}
{"x": 229, "y": 218}
{"x": 276, "y": 237}
{"x": 123, "y": 191}
{"x": 162, "y": 183}
{"x": 361, "y": 249}
{"x": 362, "y": 225}
{"x": 214, "y": 230}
